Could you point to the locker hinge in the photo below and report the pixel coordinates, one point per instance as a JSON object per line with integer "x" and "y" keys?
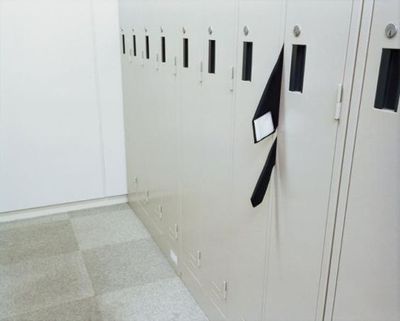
{"x": 175, "y": 66}
{"x": 225, "y": 290}
{"x": 176, "y": 231}
{"x": 160, "y": 212}
{"x": 232, "y": 79}
{"x": 339, "y": 99}
{"x": 157, "y": 62}
{"x": 198, "y": 258}
{"x": 201, "y": 72}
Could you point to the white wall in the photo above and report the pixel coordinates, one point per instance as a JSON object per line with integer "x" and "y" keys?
{"x": 61, "y": 117}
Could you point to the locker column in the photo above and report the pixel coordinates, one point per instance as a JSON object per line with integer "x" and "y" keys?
{"x": 365, "y": 283}
{"x": 259, "y": 43}
{"x": 193, "y": 172}
{"x": 217, "y": 101}
{"x": 316, "y": 50}
{"x": 165, "y": 46}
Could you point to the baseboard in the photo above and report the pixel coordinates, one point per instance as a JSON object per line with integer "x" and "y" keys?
{"x": 61, "y": 208}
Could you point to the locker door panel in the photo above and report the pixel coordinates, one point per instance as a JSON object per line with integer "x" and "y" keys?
{"x": 247, "y": 225}
{"x": 153, "y": 132}
{"x": 193, "y": 173}
{"x": 368, "y": 286}
{"x": 130, "y": 20}
{"x": 143, "y": 137}
{"x": 219, "y": 39}
{"x": 166, "y": 117}
{"x": 314, "y": 65}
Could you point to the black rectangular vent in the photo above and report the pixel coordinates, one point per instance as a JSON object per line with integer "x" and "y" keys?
{"x": 388, "y": 89}
{"x": 211, "y": 56}
{"x": 147, "y": 47}
{"x": 134, "y": 45}
{"x": 297, "y": 68}
{"x": 163, "y": 50}
{"x": 185, "y": 52}
{"x": 247, "y": 61}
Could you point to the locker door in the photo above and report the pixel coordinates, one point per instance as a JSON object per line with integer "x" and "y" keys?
{"x": 130, "y": 13}
{"x": 316, "y": 41}
{"x": 152, "y": 133}
{"x": 261, "y": 24}
{"x": 192, "y": 118}
{"x": 368, "y": 286}
{"x": 217, "y": 110}
{"x": 165, "y": 46}
{"x": 145, "y": 113}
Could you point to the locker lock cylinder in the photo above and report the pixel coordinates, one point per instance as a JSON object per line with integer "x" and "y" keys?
{"x": 391, "y": 30}
{"x": 296, "y": 30}
{"x": 246, "y": 30}
{"x": 161, "y": 29}
{"x": 210, "y": 31}
{"x": 183, "y": 30}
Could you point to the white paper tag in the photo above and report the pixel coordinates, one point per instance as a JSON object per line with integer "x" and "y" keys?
{"x": 263, "y": 126}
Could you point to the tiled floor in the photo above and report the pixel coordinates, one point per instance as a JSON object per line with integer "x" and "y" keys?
{"x": 97, "y": 265}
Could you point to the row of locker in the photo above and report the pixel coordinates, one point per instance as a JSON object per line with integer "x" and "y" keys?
{"x": 193, "y": 160}
{"x": 161, "y": 55}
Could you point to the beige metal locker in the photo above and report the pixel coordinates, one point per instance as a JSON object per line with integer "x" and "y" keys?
{"x": 165, "y": 46}
{"x": 260, "y": 26}
{"x": 366, "y": 285}
{"x": 217, "y": 110}
{"x": 193, "y": 172}
{"x": 311, "y": 121}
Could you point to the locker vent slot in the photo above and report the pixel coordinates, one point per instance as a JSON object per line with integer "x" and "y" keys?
{"x": 163, "y": 52}
{"x": 123, "y": 44}
{"x": 247, "y": 60}
{"x": 147, "y": 47}
{"x": 297, "y": 68}
{"x": 388, "y": 89}
{"x": 211, "y": 56}
{"x": 134, "y": 45}
{"x": 185, "y": 52}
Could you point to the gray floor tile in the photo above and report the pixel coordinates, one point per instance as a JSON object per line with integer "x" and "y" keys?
{"x": 107, "y": 228}
{"x": 125, "y": 265}
{"x": 36, "y": 241}
{"x": 40, "y": 283}
{"x": 81, "y": 310}
{"x": 100, "y": 210}
{"x": 166, "y": 300}
{"x": 34, "y": 221}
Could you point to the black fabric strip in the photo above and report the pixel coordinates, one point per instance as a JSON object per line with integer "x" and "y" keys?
{"x": 271, "y": 97}
{"x": 265, "y": 177}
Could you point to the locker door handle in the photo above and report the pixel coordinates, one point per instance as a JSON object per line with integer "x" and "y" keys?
{"x": 266, "y": 117}
{"x": 265, "y": 177}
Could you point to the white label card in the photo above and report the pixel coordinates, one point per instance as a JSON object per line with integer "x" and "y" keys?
{"x": 263, "y": 126}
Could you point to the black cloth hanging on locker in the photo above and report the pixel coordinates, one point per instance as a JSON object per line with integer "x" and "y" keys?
{"x": 269, "y": 102}
{"x": 267, "y": 111}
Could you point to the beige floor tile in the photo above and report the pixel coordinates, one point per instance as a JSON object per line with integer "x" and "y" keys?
{"x": 106, "y": 228}
{"x": 40, "y": 240}
{"x": 40, "y": 283}
{"x": 81, "y": 310}
{"x": 99, "y": 210}
{"x": 165, "y": 300}
{"x": 125, "y": 265}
